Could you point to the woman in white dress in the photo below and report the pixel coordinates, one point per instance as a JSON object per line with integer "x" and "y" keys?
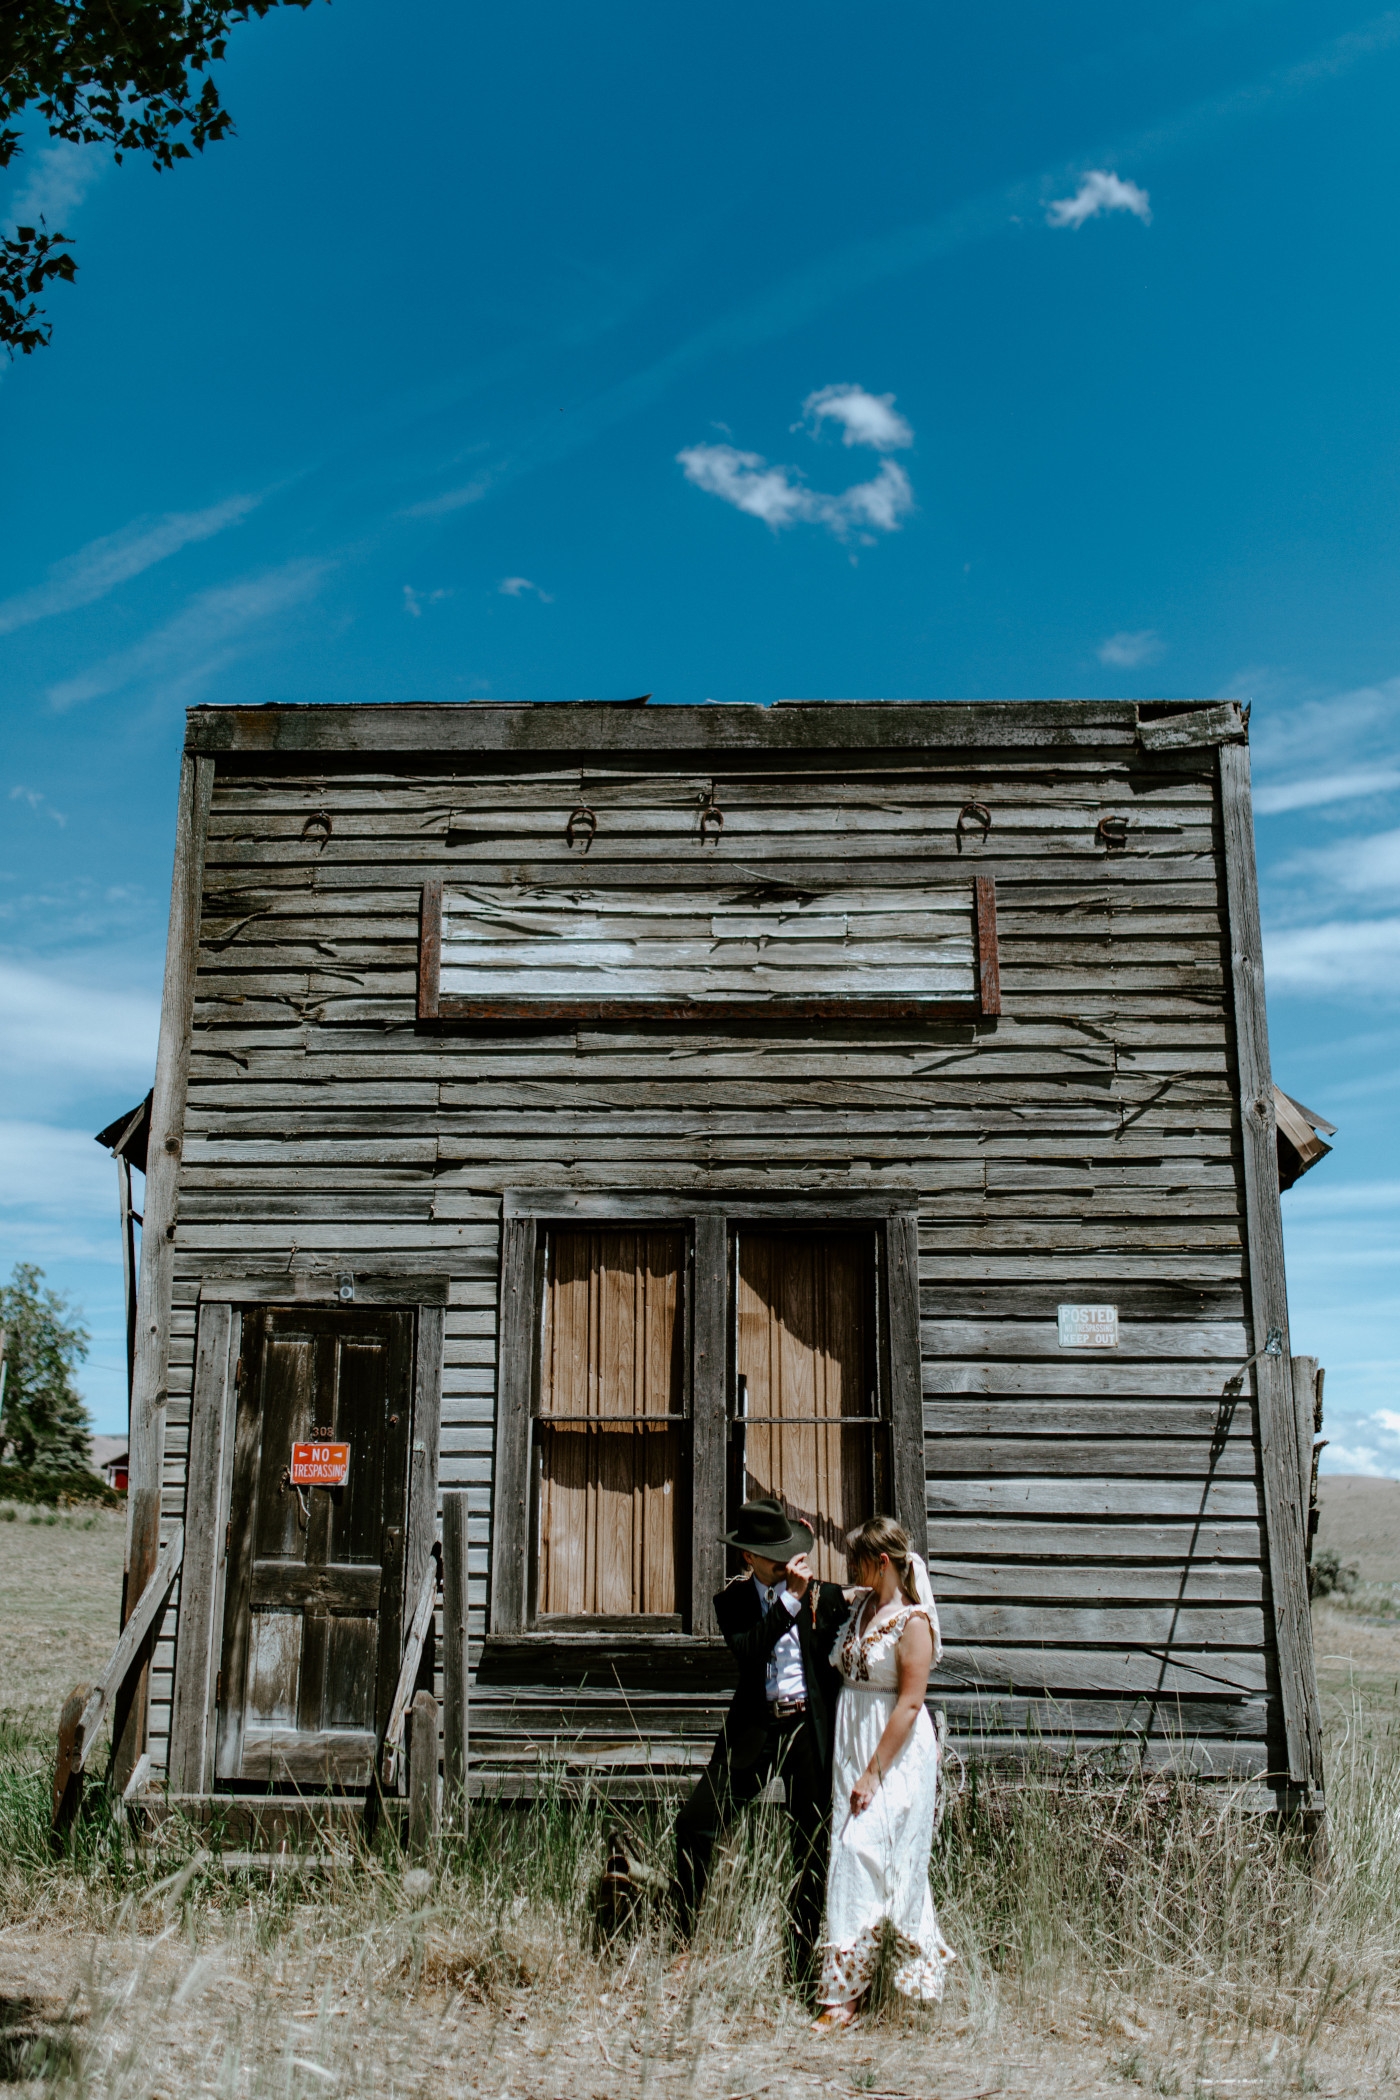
{"x": 884, "y": 1781}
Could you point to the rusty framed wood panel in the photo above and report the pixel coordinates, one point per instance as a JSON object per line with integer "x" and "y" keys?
{"x": 430, "y": 949}
{"x": 497, "y": 952}
{"x": 588, "y": 728}
{"x": 984, "y": 892}
{"x": 146, "y": 1445}
{"x": 190, "y": 1751}
{"x": 1278, "y": 1426}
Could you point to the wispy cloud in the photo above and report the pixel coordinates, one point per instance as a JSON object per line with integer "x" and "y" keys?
{"x": 1318, "y": 1198}
{"x": 207, "y": 634}
{"x": 104, "y": 564}
{"x": 1370, "y": 867}
{"x": 56, "y": 1172}
{"x": 1127, "y": 651}
{"x": 1315, "y": 789}
{"x": 63, "y": 1026}
{"x": 1099, "y": 191}
{"x": 451, "y": 499}
{"x": 1341, "y": 955}
{"x": 1289, "y": 730}
{"x": 517, "y": 586}
{"x": 37, "y": 801}
{"x": 414, "y": 601}
{"x": 865, "y": 419}
{"x": 56, "y": 182}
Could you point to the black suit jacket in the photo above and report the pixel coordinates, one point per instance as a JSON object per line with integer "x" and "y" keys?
{"x": 752, "y": 1635}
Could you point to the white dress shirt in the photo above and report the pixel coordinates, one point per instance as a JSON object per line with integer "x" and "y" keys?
{"x": 786, "y": 1677}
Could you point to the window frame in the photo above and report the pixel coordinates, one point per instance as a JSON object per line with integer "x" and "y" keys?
{"x": 709, "y": 1221}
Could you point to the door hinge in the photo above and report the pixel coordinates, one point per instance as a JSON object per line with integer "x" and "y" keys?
{"x": 238, "y": 1374}
{"x": 218, "y": 1688}
{"x": 228, "y": 1533}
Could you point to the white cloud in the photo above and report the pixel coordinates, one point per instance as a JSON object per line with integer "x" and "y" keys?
{"x": 452, "y": 499}
{"x": 51, "y": 1170}
{"x": 1340, "y": 956}
{"x": 104, "y": 564}
{"x": 1317, "y": 788}
{"x": 414, "y": 601}
{"x": 865, "y": 419}
{"x": 200, "y": 640}
{"x": 56, "y": 1027}
{"x": 1099, "y": 191}
{"x": 779, "y": 498}
{"x": 1126, "y": 651}
{"x": 747, "y": 481}
{"x": 1353, "y": 1458}
{"x": 56, "y": 182}
{"x": 517, "y": 586}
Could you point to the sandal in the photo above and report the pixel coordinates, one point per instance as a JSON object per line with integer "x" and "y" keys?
{"x": 833, "y": 2018}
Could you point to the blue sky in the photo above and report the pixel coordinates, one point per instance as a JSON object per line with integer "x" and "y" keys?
{"x": 734, "y": 353}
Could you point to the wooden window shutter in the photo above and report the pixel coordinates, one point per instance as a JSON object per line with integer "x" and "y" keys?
{"x": 813, "y": 1433}
{"x": 612, "y": 1517}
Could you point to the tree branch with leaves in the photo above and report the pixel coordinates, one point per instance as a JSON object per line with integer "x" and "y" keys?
{"x": 129, "y": 74}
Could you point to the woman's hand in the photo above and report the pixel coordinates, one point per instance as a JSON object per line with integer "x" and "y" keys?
{"x": 863, "y": 1792}
{"x": 798, "y": 1574}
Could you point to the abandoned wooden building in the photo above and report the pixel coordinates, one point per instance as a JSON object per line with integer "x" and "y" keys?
{"x": 604, "y": 1110}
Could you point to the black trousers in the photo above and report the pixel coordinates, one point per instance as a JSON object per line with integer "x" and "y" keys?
{"x": 726, "y": 1786}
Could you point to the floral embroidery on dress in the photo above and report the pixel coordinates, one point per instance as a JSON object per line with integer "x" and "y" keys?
{"x": 856, "y": 1649}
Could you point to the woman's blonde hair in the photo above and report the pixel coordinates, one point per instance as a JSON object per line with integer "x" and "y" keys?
{"x": 879, "y": 1535}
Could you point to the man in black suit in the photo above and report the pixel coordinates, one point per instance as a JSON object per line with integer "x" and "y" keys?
{"x": 780, "y": 1623}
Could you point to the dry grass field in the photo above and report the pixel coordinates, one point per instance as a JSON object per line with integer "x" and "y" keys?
{"x": 60, "y": 1595}
{"x": 1144, "y": 1939}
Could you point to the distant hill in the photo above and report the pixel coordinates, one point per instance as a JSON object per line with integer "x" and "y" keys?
{"x": 1361, "y": 1519}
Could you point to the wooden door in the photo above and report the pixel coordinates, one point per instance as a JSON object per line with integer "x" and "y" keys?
{"x": 805, "y": 1374}
{"x": 313, "y": 1612}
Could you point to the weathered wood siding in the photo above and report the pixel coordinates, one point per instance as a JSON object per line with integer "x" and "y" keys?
{"x": 1100, "y": 1573}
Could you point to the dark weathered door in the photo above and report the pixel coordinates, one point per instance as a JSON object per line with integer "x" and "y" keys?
{"x": 313, "y": 1608}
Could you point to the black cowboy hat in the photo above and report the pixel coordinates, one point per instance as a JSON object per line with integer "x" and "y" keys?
{"x": 765, "y": 1528}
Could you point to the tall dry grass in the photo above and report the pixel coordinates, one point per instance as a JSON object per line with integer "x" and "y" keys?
{"x": 1145, "y": 1898}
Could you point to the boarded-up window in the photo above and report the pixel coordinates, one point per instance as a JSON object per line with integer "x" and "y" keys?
{"x": 613, "y": 1516}
{"x": 805, "y": 1363}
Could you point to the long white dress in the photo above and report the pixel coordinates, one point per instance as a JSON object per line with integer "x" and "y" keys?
{"x": 879, "y": 1859}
